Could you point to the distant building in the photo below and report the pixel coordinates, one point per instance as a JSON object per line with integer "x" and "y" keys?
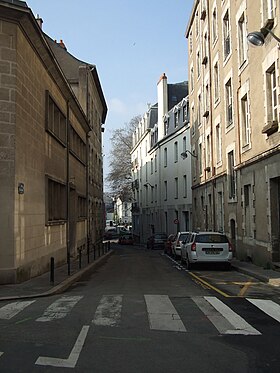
{"x": 161, "y": 177}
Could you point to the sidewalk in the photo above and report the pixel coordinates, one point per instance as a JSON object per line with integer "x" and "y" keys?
{"x": 41, "y": 286}
{"x": 265, "y": 275}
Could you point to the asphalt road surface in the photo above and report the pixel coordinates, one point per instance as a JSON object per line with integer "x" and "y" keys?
{"x": 141, "y": 312}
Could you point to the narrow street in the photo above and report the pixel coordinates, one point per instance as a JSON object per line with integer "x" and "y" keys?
{"x": 142, "y": 312}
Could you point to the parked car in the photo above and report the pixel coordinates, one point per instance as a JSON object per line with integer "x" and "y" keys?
{"x": 207, "y": 247}
{"x": 126, "y": 239}
{"x": 168, "y": 244}
{"x": 177, "y": 243}
{"x": 156, "y": 241}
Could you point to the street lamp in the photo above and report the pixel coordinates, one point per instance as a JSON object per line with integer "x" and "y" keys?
{"x": 256, "y": 38}
{"x": 184, "y": 155}
{"x": 146, "y": 184}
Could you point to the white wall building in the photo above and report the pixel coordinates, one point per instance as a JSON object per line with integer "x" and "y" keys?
{"x": 161, "y": 177}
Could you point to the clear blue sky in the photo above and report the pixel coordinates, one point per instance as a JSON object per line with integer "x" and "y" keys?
{"x": 131, "y": 42}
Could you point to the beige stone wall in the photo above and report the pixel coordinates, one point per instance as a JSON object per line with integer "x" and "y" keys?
{"x": 8, "y": 41}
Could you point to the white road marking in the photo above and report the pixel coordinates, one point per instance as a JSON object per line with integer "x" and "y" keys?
{"x": 73, "y": 357}
{"x": 162, "y": 314}
{"x": 12, "y": 309}
{"x": 267, "y": 306}
{"x": 1, "y": 353}
{"x": 59, "y": 309}
{"x": 108, "y": 312}
{"x": 240, "y": 326}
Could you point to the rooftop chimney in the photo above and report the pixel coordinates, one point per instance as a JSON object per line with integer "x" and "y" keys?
{"x": 162, "y": 104}
{"x": 39, "y": 21}
{"x": 62, "y": 44}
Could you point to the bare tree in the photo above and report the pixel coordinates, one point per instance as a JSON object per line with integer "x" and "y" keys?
{"x": 119, "y": 176}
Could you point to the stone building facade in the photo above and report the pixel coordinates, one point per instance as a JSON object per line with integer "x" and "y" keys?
{"x": 43, "y": 152}
{"x": 234, "y": 116}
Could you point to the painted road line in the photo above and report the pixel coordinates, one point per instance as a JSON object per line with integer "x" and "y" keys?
{"x": 267, "y": 306}
{"x": 12, "y": 309}
{"x": 210, "y": 286}
{"x": 162, "y": 314}
{"x": 244, "y": 288}
{"x": 219, "y": 321}
{"x": 240, "y": 326}
{"x": 59, "y": 309}
{"x": 1, "y": 353}
{"x": 108, "y": 312}
{"x": 73, "y": 357}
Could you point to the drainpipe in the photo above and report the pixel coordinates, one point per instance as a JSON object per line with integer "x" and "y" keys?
{"x": 68, "y": 187}
{"x": 211, "y": 124}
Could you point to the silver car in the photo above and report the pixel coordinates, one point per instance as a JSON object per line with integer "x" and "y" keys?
{"x": 206, "y": 247}
{"x": 177, "y": 243}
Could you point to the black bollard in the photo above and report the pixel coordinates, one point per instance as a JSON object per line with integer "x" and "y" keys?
{"x": 52, "y": 271}
{"x": 80, "y": 258}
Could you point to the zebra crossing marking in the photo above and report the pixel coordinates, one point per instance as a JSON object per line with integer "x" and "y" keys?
{"x": 162, "y": 314}
{"x": 74, "y": 354}
{"x": 108, "y": 312}
{"x": 1, "y": 353}
{"x": 12, "y": 309}
{"x": 59, "y": 309}
{"x": 240, "y": 326}
{"x": 267, "y": 306}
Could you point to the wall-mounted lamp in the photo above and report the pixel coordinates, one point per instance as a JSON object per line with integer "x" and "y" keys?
{"x": 184, "y": 155}
{"x": 146, "y": 184}
{"x": 256, "y": 38}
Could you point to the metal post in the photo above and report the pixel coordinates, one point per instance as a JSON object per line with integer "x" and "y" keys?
{"x": 52, "y": 271}
{"x": 80, "y": 258}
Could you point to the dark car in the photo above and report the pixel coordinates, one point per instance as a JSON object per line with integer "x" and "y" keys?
{"x": 156, "y": 241}
{"x": 126, "y": 239}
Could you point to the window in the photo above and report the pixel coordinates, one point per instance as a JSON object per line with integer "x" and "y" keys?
{"x": 226, "y": 33}
{"x": 55, "y": 119}
{"x": 271, "y": 102}
{"x": 184, "y": 144}
{"x": 56, "y": 201}
{"x": 245, "y": 127}
{"x": 231, "y": 175}
{"x": 176, "y": 187}
{"x": 165, "y": 190}
{"x": 200, "y": 158}
{"x": 205, "y": 49}
{"x": 191, "y": 42}
{"x": 82, "y": 207}
{"x": 218, "y": 143}
{"x": 199, "y": 111}
{"x": 176, "y": 151}
{"x": 152, "y": 166}
{"x": 208, "y": 152}
{"x": 176, "y": 119}
{"x": 185, "y": 186}
{"x": 206, "y": 101}
{"x": 268, "y": 11}
{"x": 214, "y": 25}
{"x": 242, "y": 40}
{"x": 198, "y": 63}
{"x": 228, "y": 89}
{"x": 196, "y": 24}
{"x": 216, "y": 82}
{"x": 191, "y": 79}
{"x": 77, "y": 146}
{"x": 165, "y": 157}
{"x": 155, "y": 163}
{"x": 271, "y": 94}
{"x": 155, "y": 192}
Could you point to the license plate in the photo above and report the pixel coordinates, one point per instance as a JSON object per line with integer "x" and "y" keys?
{"x": 215, "y": 252}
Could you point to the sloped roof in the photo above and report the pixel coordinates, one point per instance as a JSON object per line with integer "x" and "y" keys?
{"x": 70, "y": 67}
{"x": 176, "y": 92}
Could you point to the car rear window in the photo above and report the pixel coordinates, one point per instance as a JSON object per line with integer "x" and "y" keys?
{"x": 183, "y": 236}
{"x": 212, "y": 238}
